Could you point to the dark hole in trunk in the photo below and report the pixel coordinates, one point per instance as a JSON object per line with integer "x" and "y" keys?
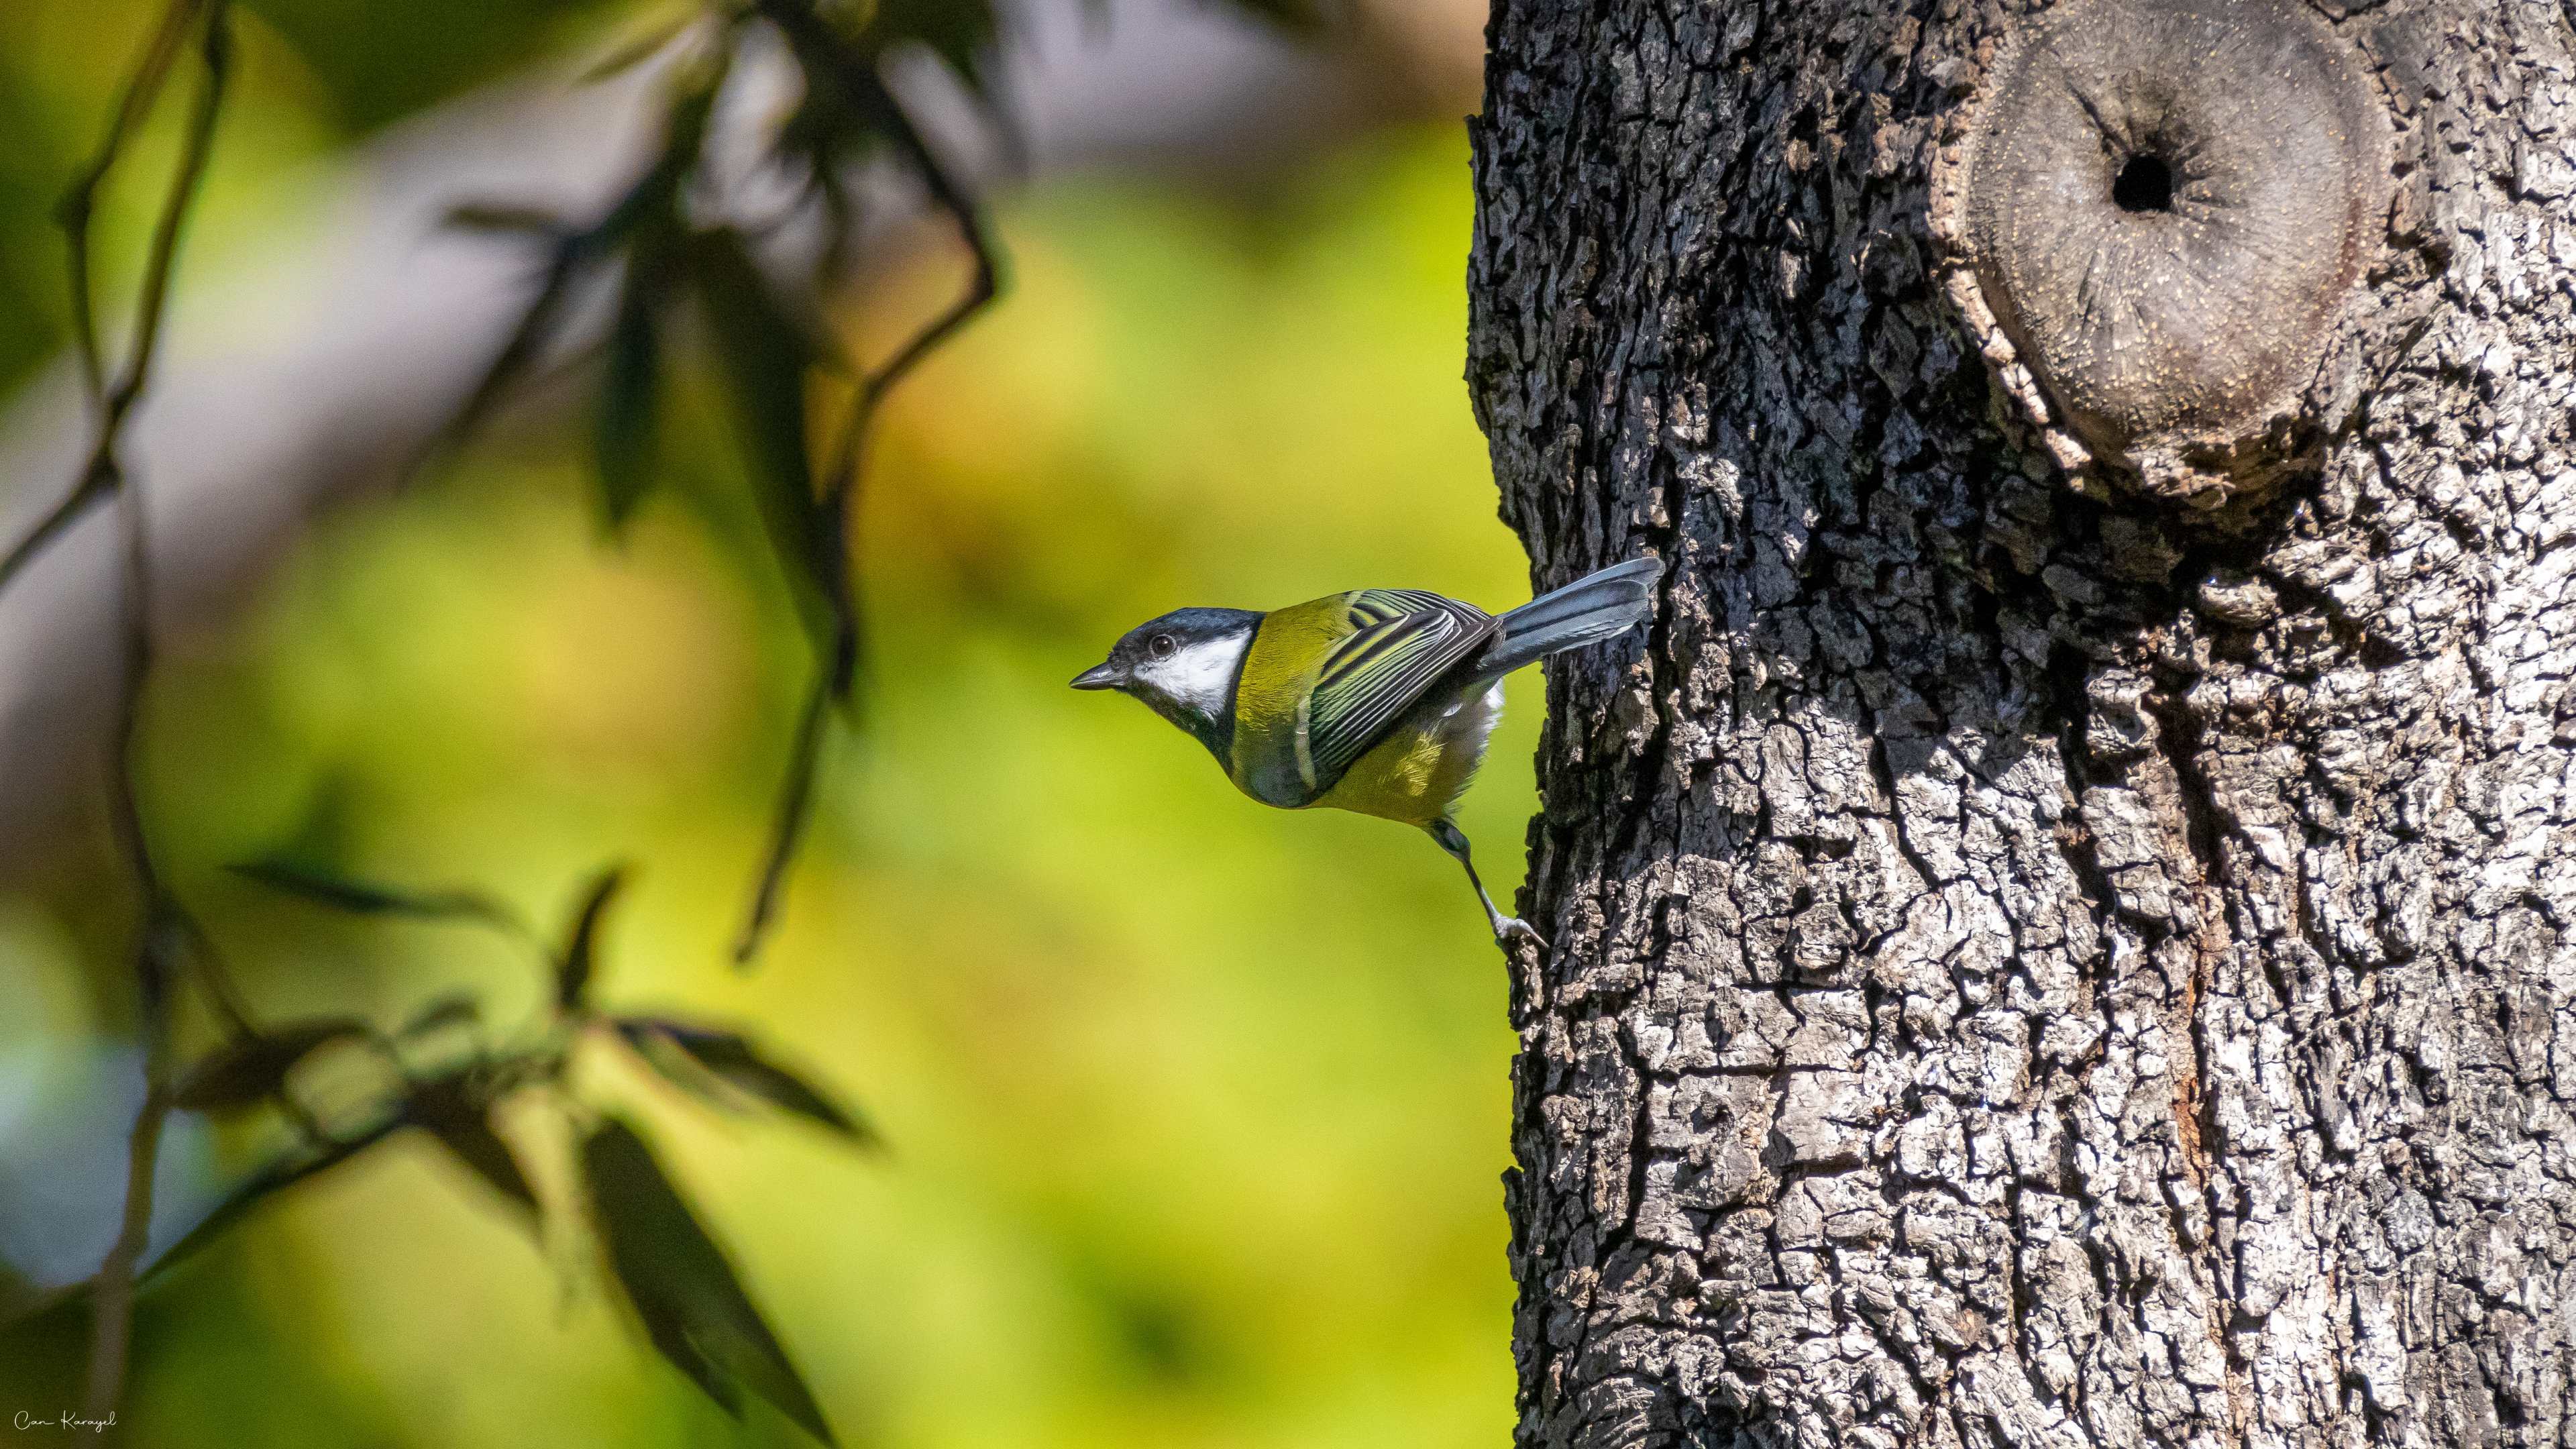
{"x": 2144, "y": 184}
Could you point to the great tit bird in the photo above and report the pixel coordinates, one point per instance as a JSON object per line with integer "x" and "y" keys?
{"x": 1377, "y": 700}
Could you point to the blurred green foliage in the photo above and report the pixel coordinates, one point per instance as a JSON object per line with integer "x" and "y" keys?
{"x": 1195, "y": 1109}
{"x": 312, "y": 75}
{"x": 377, "y": 63}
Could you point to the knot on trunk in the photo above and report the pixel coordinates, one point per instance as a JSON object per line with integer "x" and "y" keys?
{"x": 2154, "y": 211}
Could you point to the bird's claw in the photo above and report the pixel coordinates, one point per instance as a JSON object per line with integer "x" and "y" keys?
{"x": 1529, "y": 984}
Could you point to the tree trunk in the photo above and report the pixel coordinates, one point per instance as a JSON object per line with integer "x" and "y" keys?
{"x": 2065, "y": 930}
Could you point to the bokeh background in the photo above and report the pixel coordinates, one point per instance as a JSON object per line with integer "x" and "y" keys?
{"x": 1196, "y": 1110}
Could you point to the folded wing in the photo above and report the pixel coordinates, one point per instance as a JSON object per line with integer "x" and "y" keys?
{"x": 1403, "y": 642}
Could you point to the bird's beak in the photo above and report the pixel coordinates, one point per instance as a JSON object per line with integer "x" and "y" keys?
{"x": 1100, "y": 676}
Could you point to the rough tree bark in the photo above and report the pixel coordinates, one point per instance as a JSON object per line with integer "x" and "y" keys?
{"x": 2045, "y": 953}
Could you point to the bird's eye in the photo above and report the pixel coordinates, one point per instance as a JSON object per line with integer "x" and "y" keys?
{"x": 1162, "y": 646}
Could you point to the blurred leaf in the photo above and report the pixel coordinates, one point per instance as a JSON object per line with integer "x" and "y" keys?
{"x": 573, "y": 971}
{"x": 625, "y": 438}
{"x": 732, "y": 1059}
{"x": 677, "y": 1067}
{"x": 764, "y": 352}
{"x": 644, "y": 222}
{"x": 367, "y": 898}
{"x": 826, "y": 143}
{"x": 449, "y": 1111}
{"x": 670, "y": 1338}
{"x": 845, "y": 114}
{"x": 250, "y": 1068}
{"x": 650, "y": 213}
{"x": 378, "y": 62}
{"x": 505, "y": 218}
{"x": 453, "y": 1009}
{"x": 693, "y": 1307}
{"x": 528, "y": 339}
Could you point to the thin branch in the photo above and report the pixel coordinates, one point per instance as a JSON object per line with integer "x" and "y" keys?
{"x": 543, "y": 1062}
{"x": 321, "y": 1154}
{"x": 787, "y": 821}
{"x": 142, "y": 88}
{"x": 152, "y": 303}
{"x": 278, "y": 1176}
{"x": 981, "y": 289}
{"x": 125, "y": 810}
{"x": 842, "y": 489}
{"x": 163, "y": 915}
{"x": 842, "y": 492}
{"x": 91, "y": 487}
{"x": 215, "y": 979}
{"x": 113, "y": 1303}
{"x": 111, "y": 1294}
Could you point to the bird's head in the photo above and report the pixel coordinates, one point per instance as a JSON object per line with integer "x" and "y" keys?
{"x": 1184, "y": 666}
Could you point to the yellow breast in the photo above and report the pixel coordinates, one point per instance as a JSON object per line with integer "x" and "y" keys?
{"x": 1417, "y": 773}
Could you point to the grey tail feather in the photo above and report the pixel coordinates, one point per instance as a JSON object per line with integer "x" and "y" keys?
{"x": 1595, "y": 607}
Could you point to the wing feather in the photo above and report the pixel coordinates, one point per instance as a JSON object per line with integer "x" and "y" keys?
{"x": 1404, "y": 640}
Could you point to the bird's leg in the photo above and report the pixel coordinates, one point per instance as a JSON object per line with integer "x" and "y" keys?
{"x": 1505, "y": 927}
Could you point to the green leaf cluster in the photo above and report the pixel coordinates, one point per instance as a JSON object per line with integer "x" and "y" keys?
{"x": 665, "y": 1262}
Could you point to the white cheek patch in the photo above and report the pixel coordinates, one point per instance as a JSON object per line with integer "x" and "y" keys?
{"x": 1198, "y": 675}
